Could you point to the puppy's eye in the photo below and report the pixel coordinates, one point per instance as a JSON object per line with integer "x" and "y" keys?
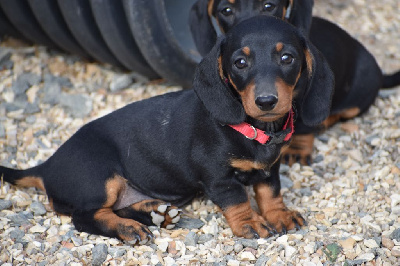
{"x": 268, "y": 7}
{"x": 241, "y": 63}
{"x": 227, "y": 11}
{"x": 287, "y": 59}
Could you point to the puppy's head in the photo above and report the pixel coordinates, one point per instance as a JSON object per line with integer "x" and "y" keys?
{"x": 258, "y": 70}
{"x": 228, "y": 13}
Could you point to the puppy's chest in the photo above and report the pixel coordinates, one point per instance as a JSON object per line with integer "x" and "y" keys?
{"x": 260, "y": 157}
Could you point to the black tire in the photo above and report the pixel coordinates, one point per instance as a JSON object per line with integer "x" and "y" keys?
{"x": 154, "y": 35}
{"x": 79, "y": 18}
{"x": 21, "y": 17}
{"x": 113, "y": 26}
{"x": 49, "y": 16}
{"x": 6, "y": 28}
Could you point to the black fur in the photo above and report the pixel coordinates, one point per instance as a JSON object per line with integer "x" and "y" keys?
{"x": 205, "y": 35}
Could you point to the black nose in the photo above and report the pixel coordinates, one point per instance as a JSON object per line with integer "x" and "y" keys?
{"x": 266, "y": 103}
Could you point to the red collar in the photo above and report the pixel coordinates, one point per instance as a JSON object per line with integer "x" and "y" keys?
{"x": 262, "y": 137}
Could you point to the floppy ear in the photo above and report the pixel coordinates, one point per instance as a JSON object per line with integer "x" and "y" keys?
{"x": 214, "y": 92}
{"x": 301, "y": 14}
{"x": 202, "y": 29}
{"x": 316, "y": 104}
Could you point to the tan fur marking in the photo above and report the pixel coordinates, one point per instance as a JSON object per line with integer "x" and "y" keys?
{"x": 247, "y": 165}
{"x": 266, "y": 200}
{"x": 241, "y": 216}
{"x": 210, "y": 8}
{"x": 309, "y": 61}
{"x": 279, "y": 47}
{"x": 345, "y": 114}
{"x": 124, "y": 227}
{"x": 248, "y": 100}
{"x": 220, "y": 71}
{"x": 113, "y": 187}
{"x": 350, "y": 113}
{"x": 285, "y": 95}
{"x": 31, "y": 181}
{"x": 246, "y": 50}
{"x": 284, "y": 13}
{"x": 274, "y": 210}
{"x": 231, "y": 82}
{"x": 231, "y": 1}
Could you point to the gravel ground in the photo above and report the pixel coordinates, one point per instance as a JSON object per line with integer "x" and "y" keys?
{"x": 350, "y": 195}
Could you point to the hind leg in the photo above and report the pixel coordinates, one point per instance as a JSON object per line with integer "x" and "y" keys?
{"x": 152, "y": 212}
{"x": 105, "y": 222}
{"x": 103, "y": 219}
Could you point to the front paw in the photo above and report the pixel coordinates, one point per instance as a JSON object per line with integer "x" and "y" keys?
{"x": 246, "y": 223}
{"x": 299, "y": 151}
{"x": 283, "y": 220}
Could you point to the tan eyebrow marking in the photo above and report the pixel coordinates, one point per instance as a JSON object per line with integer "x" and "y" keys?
{"x": 246, "y": 50}
{"x": 279, "y": 46}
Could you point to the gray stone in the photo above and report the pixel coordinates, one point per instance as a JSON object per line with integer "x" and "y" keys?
{"x": 17, "y": 234}
{"x": 248, "y": 243}
{"x": 2, "y": 131}
{"x": 38, "y": 208}
{"x": 190, "y": 223}
{"x": 334, "y": 221}
{"x": 5, "y": 62}
{"x": 321, "y": 227}
{"x": 24, "y": 82}
{"x": 228, "y": 249}
{"x": 369, "y": 138}
{"x": 238, "y": 247}
{"x": 54, "y": 248}
{"x": 323, "y": 138}
{"x": 319, "y": 158}
{"x": 284, "y": 169}
{"x": 204, "y": 238}
{"x": 31, "y": 108}
{"x": 116, "y": 252}
{"x": 305, "y": 191}
{"x": 191, "y": 239}
{"x": 77, "y": 105}
{"x": 286, "y": 182}
{"x": 262, "y": 260}
{"x": 18, "y": 219}
{"x": 120, "y": 82}
{"x": 355, "y": 262}
{"x": 395, "y": 234}
{"x": 51, "y": 93}
{"x": 28, "y": 214}
{"x": 5, "y": 204}
{"x": 64, "y": 82}
{"x": 77, "y": 241}
{"x": 68, "y": 235}
{"x": 99, "y": 254}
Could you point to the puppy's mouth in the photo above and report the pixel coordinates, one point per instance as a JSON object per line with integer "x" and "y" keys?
{"x": 270, "y": 117}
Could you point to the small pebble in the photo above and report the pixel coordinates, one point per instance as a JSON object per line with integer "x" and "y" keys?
{"x": 99, "y": 254}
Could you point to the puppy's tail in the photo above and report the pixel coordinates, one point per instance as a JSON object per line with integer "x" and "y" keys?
{"x": 26, "y": 178}
{"x": 392, "y": 80}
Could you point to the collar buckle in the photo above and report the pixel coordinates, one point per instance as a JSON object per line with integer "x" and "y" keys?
{"x": 255, "y": 133}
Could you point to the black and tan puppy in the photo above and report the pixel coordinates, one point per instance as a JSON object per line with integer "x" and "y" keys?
{"x": 118, "y": 172}
{"x": 230, "y": 12}
{"x": 358, "y": 77}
